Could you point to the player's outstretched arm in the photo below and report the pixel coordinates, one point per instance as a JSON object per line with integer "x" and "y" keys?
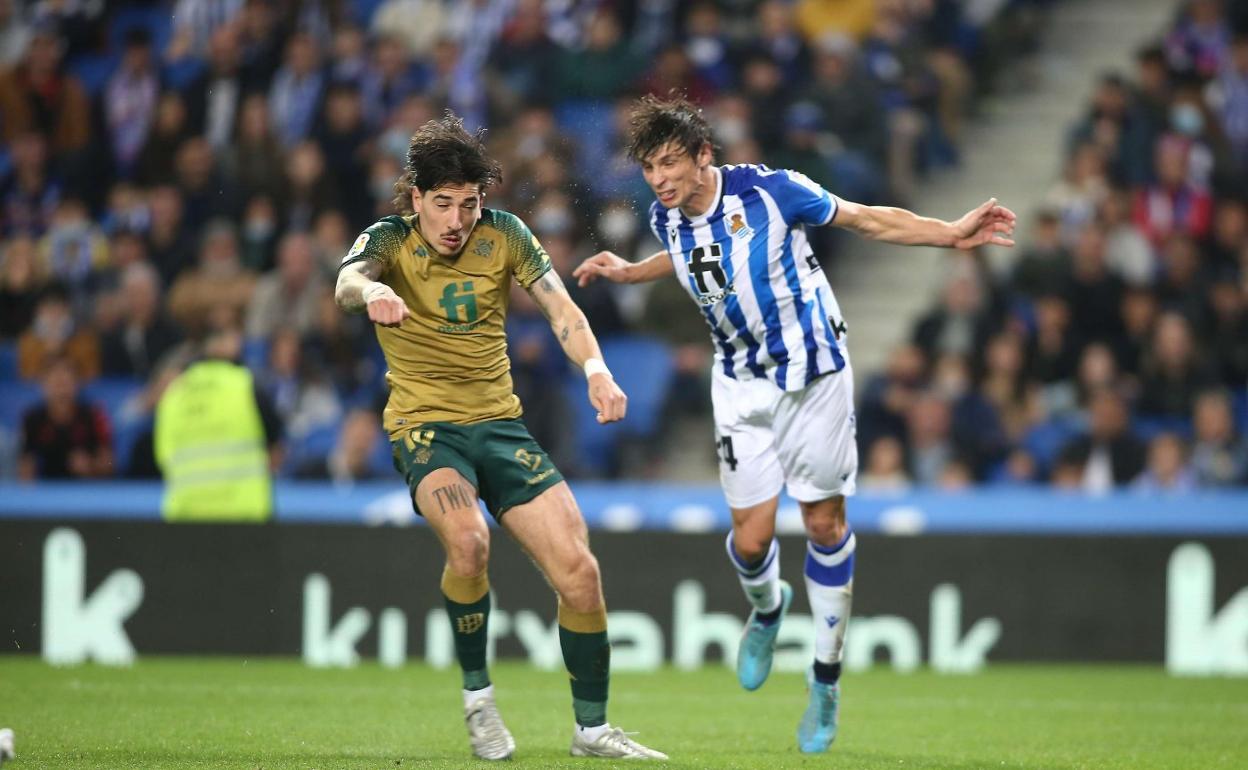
{"x": 358, "y": 291}
{"x": 606, "y": 264}
{"x": 578, "y": 341}
{"x": 988, "y": 223}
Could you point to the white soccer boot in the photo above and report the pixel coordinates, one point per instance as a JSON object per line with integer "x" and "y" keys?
{"x": 6, "y": 745}
{"x": 488, "y": 735}
{"x": 613, "y": 743}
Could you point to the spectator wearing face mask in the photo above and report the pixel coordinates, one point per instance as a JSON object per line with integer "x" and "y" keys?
{"x": 53, "y": 335}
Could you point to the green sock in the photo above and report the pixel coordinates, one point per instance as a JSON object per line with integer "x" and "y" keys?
{"x": 588, "y": 658}
{"x": 469, "y": 624}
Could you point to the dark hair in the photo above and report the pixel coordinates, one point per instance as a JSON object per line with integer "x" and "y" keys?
{"x": 443, "y": 152}
{"x": 655, "y": 122}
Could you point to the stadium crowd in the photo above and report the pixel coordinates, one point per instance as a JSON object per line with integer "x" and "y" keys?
{"x": 170, "y": 168}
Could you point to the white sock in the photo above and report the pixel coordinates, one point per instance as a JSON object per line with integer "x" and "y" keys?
{"x": 591, "y": 734}
{"x": 760, "y": 581}
{"x": 830, "y": 586}
{"x": 472, "y": 696}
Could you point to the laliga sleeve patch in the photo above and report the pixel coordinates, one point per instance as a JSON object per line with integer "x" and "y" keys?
{"x": 357, "y": 248}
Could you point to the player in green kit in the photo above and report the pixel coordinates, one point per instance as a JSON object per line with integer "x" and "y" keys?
{"x": 435, "y": 281}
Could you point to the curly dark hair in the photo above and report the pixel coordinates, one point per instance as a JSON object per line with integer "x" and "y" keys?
{"x": 654, "y": 122}
{"x": 443, "y": 152}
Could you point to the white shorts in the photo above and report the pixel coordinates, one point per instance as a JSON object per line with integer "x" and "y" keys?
{"x": 769, "y": 439}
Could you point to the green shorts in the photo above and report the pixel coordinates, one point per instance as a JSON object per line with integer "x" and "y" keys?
{"x": 497, "y": 457}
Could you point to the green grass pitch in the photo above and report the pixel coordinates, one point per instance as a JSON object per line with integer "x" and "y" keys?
{"x": 266, "y": 714}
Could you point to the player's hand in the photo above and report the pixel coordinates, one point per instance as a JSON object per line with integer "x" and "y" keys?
{"x": 607, "y": 398}
{"x": 604, "y": 264}
{"x": 384, "y": 306}
{"x": 989, "y": 223}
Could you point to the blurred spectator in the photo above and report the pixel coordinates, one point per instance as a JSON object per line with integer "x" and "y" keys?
{"x": 1054, "y": 352}
{"x": 1108, "y": 455}
{"x": 1127, "y": 252}
{"x": 848, "y": 101}
{"x": 1005, "y": 386}
{"x": 1043, "y": 266}
{"x": 1174, "y": 372}
{"x": 195, "y": 22}
{"x": 885, "y": 469}
{"x": 672, "y": 70}
{"x": 298, "y": 388}
{"x": 1173, "y": 204}
{"x": 64, "y": 437}
{"x": 1199, "y": 41}
{"x": 255, "y": 159}
{"x": 1098, "y": 370}
{"x": 53, "y": 335}
{"x": 155, "y": 163}
{"x": 295, "y": 95}
{"x": 708, "y": 45}
{"x": 344, "y": 143}
{"x": 289, "y": 296}
{"x": 1230, "y": 233}
{"x": 170, "y": 244}
{"x": 606, "y": 65}
{"x": 259, "y": 233}
{"x": 961, "y": 322}
{"x": 144, "y": 335}
{"x": 763, "y": 87}
{"x": 214, "y": 99}
{"x": 1139, "y": 315}
{"x": 351, "y": 459}
{"x": 388, "y": 80}
{"x": 207, "y": 193}
{"x": 930, "y": 439}
{"x": 1229, "y": 98}
{"x": 1168, "y": 470}
{"x": 214, "y": 294}
{"x": 75, "y": 251}
{"x": 1219, "y": 453}
{"x": 38, "y": 95}
{"x": 415, "y": 24}
{"x": 890, "y": 395}
{"x": 310, "y": 190}
{"x": 1228, "y": 335}
{"x": 1081, "y": 189}
{"x": 349, "y": 57}
{"x": 14, "y": 33}
{"x": 1094, "y": 292}
{"x": 525, "y": 59}
{"x": 22, "y": 277}
{"x": 28, "y": 194}
{"x": 130, "y": 99}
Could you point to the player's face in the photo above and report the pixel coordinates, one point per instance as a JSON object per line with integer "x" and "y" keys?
{"x": 676, "y": 176}
{"x": 447, "y": 214}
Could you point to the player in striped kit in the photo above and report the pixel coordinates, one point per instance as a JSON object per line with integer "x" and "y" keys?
{"x": 782, "y": 387}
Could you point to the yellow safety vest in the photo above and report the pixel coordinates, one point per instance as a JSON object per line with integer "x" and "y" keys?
{"x": 210, "y": 445}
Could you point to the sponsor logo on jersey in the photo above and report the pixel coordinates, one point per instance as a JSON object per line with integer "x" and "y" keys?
{"x": 528, "y": 459}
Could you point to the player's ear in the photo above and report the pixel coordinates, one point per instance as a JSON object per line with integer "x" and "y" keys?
{"x": 416, "y": 199}
{"x": 706, "y": 154}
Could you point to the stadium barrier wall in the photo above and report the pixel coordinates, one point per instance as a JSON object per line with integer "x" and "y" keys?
{"x": 77, "y": 590}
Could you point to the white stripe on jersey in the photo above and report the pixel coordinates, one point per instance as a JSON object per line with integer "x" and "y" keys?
{"x": 747, "y": 263}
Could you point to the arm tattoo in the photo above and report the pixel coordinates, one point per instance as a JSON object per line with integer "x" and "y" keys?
{"x": 581, "y": 325}
{"x": 452, "y": 496}
{"x": 563, "y": 334}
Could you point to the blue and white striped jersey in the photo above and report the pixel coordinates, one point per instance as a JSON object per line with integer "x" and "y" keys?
{"x": 748, "y": 265}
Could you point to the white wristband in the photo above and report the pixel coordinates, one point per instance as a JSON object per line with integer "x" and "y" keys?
{"x": 374, "y": 290}
{"x": 595, "y": 366}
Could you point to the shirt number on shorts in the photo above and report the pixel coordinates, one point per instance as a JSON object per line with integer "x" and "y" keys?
{"x": 723, "y": 448}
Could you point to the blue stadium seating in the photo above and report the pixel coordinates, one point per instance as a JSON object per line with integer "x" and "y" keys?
{"x": 643, "y": 368}
{"x": 16, "y": 396}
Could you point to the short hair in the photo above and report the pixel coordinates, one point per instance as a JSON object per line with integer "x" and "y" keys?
{"x": 442, "y": 152}
{"x": 655, "y": 122}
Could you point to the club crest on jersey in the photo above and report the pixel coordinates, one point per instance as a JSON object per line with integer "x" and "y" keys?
{"x": 483, "y": 248}
{"x": 357, "y": 248}
{"x": 739, "y": 228}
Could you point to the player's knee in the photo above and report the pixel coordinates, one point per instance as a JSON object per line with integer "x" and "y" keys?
{"x": 468, "y": 552}
{"x": 750, "y": 546}
{"x": 581, "y": 586}
{"x": 825, "y": 521}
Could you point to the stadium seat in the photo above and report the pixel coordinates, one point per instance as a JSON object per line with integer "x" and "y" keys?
{"x": 118, "y": 397}
{"x": 643, "y": 368}
{"x": 1046, "y": 439}
{"x": 16, "y": 396}
{"x": 362, "y": 11}
{"x": 93, "y": 70}
{"x": 156, "y": 20}
{"x": 314, "y": 445}
{"x": 1239, "y": 407}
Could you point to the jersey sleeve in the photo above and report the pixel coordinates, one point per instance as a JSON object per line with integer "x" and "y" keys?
{"x": 800, "y": 198}
{"x": 654, "y": 223}
{"x": 381, "y": 242}
{"x": 526, "y": 258}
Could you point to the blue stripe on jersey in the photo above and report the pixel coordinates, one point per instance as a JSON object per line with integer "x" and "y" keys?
{"x": 732, "y": 305}
{"x": 725, "y": 347}
{"x": 789, "y": 263}
{"x": 760, "y": 280}
{"x": 838, "y": 360}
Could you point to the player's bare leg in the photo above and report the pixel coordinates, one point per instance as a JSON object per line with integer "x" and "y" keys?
{"x": 552, "y": 531}
{"x": 449, "y": 503}
{"x": 830, "y": 584}
{"x": 755, "y": 555}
